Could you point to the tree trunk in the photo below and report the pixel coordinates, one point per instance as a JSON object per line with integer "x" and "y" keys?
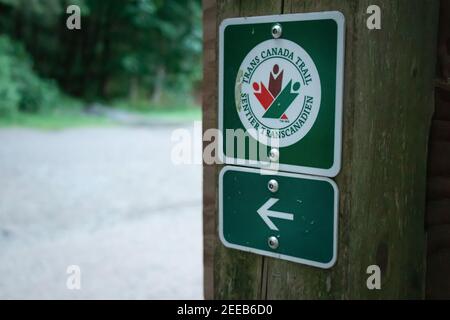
{"x": 388, "y": 103}
{"x": 158, "y": 85}
{"x": 134, "y": 89}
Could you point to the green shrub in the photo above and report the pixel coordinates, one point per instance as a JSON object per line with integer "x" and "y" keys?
{"x": 36, "y": 94}
{"x": 9, "y": 90}
{"x": 20, "y": 88}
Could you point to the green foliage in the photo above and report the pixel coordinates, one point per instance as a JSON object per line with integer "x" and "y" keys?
{"x": 169, "y": 102}
{"x": 54, "y": 120}
{"x": 9, "y": 91}
{"x": 20, "y": 88}
{"x": 123, "y": 47}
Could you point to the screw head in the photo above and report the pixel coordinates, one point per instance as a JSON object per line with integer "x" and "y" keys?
{"x": 273, "y": 242}
{"x": 274, "y": 155}
{"x": 272, "y": 185}
{"x": 276, "y": 31}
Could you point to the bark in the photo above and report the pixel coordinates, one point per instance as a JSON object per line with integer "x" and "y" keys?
{"x": 388, "y": 103}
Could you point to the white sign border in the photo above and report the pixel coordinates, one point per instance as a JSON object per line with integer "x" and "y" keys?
{"x": 340, "y": 20}
{"x": 273, "y": 254}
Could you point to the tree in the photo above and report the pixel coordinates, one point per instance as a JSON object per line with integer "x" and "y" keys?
{"x": 152, "y": 44}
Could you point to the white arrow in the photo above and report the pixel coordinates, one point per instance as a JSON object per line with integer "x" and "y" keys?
{"x": 265, "y": 213}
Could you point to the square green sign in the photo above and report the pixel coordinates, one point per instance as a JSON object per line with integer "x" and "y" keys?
{"x": 281, "y": 82}
{"x": 282, "y": 215}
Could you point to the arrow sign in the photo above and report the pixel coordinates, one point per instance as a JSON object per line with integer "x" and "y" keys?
{"x": 266, "y": 214}
{"x": 308, "y": 238}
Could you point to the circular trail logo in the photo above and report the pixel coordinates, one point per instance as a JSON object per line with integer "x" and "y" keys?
{"x": 278, "y": 92}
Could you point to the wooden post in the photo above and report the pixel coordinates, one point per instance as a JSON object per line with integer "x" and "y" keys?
{"x": 388, "y": 103}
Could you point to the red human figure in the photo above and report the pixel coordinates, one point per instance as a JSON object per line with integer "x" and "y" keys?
{"x": 275, "y": 83}
{"x": 262, "y": 94}
{"x": 275, "y": 80}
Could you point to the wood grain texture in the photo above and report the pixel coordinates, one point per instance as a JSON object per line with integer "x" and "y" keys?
{"x": 440, "y": 131}
{"x": 209, "y": 97}
{"x": 438, "y": 205}
{"x": 238, "y": 275}
{"x": 438, "y": 286}
{"x": 438, "y": 213}
{"x": 439, "y": 158}
{"x": 388, "y": 103}
{"x": 442, "y": 111}
{"x": 438, "y": 188}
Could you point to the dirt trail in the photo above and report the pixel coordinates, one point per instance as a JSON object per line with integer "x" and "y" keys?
{"x": 106, "y": 199}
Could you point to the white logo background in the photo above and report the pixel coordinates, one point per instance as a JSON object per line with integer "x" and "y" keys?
{"x": 291, "y": 69}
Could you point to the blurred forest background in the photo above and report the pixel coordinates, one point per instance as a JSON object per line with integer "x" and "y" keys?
{"x": 140, "y": 55}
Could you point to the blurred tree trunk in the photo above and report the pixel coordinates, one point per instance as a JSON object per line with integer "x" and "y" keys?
{"x": 18, "y": 23}
{"x": 106, "y": 49}
{"x": 438, "y": 195}
{"x": 158, "y": 84}
{"x": 444, "y": 40}
{"x": 134, "y": 89}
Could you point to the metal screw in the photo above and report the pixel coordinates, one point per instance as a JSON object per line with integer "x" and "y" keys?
{"x": 273, "y": 242}
{"x": 273, "y": 185}
{"x": 274, "y": 155}
{"x": 276, "y": 31}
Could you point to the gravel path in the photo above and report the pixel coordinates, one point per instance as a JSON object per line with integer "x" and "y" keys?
{"x": 106, "y": 199}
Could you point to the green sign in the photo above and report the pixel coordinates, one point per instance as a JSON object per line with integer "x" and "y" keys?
{"x": 281, "y": 82}
{"x": 282, "y": 215}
